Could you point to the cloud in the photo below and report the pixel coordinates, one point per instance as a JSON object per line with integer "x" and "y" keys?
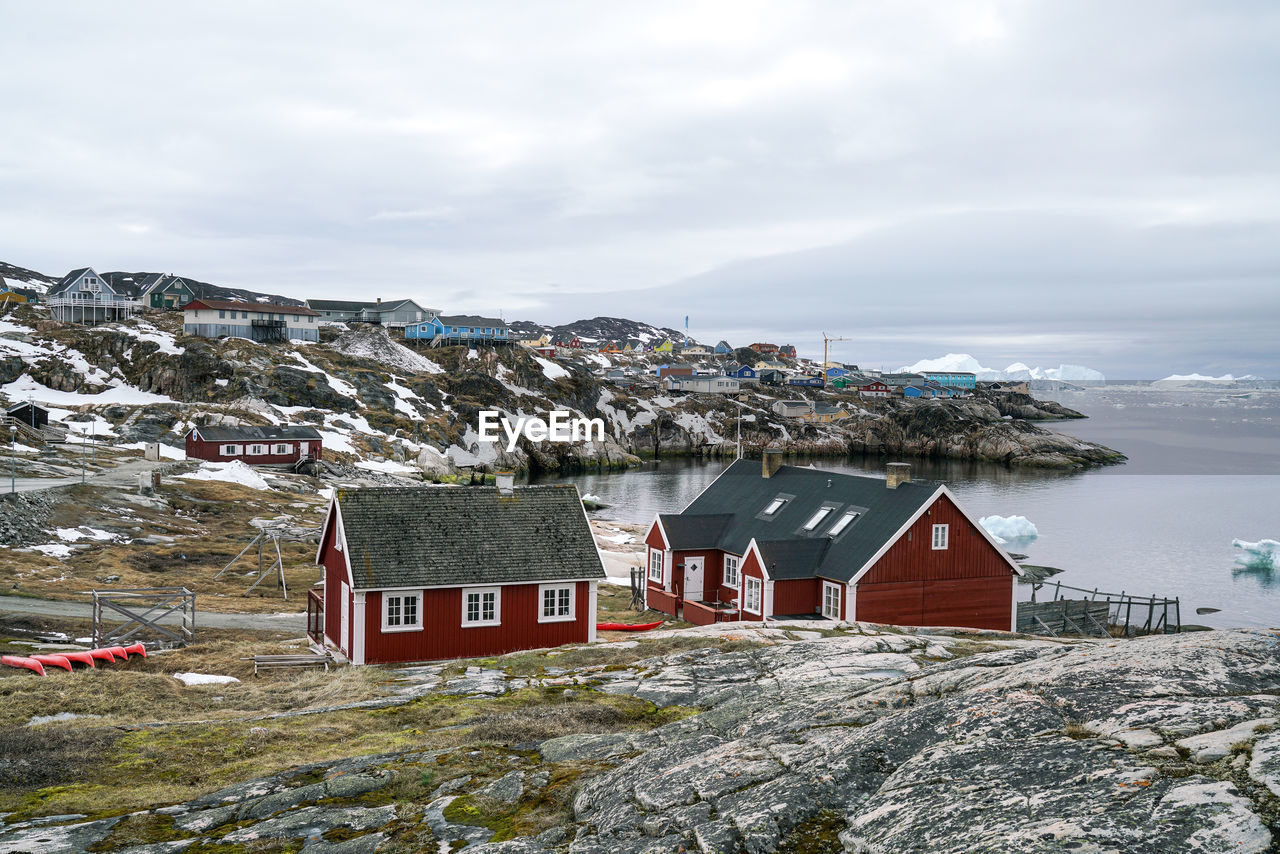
{"x": 1094, "y": 177}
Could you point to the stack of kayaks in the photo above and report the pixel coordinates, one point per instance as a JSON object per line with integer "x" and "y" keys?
{"x": 67, "y": 659}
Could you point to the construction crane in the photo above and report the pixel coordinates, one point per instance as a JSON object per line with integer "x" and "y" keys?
{"x": 825, "y": 340}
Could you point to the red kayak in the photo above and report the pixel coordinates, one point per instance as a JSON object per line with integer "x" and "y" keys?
{"x": 625, "y": 627}
{"x": 136, "y": 649}
{"x": 118, "y": 652}
{"x": 53, "y": 661}
{"x": 102, "y": 655}
{"x": 78, "y": 657}
{"x": 26, "y": 663}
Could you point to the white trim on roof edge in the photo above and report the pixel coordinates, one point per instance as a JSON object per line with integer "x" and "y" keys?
{"x": 990, "y": 539}
{"x": 657, "y": 520}
{"x": 888, "y": 544}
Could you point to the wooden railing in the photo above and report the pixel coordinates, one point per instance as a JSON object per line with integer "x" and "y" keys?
{"x": 315, "y": 616}
{"x": 1123, "y": 612}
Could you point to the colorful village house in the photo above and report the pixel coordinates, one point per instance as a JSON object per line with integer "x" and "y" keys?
{"x": 430, "y": 573}
{"x": 768, "y": 541}
{"x": 458, "y": 329}
{"x": 258, "y": 321}
{"x": 164, "y": 292}
{"x": 723, "y": 349}
{"x": 254, "y": 445}
{"x": 83, "y": 296}
{"x": 663, "y": 347}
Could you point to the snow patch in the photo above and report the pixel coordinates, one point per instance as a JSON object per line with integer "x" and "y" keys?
{"x": 551, "y": 370}
{"x": 203, "y": 679}
{"x": 386, "y": 466}
{"x": 230, "y": 472}
{"x": 25, "y": 388}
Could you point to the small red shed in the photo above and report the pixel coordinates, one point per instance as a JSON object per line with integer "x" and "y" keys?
{"x": 430, "y": 573}
{"x": 254, "y": 445}
{"x": 772, "y": 541}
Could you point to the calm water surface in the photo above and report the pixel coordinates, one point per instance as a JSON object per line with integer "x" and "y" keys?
{"x": 1204, "y": 469}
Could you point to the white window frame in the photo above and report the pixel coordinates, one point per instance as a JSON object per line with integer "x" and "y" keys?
{"x": 941, "y": 537}
{"x": 467, "y": 592}
{"x": 831, "y": 593}
{"x": 256, "y": 450}
{"x": 732, "y": 566}
{"x": 230, "y": 450}
{"x": 400, "y": 598}
{"x": 544, "y": 589}
{"x": 817, "y": 518}
{"x": 752, "y": 586}
{"x": 282, "y": 448}
{"x": 774, "y": 507}
{"x": 839, "y": 526}
{"x": 656, "y": 566}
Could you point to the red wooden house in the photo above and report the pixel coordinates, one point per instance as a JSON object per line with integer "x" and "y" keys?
{"x": 429, "y": 573}
{"x": 770, "y": 541}
{"x": 873, "y": 389}
{"x": 764, "y": 349}
{"x": 254, "y": 445}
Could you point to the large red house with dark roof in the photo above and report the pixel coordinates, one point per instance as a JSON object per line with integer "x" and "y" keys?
{"x": 770, "y": 541}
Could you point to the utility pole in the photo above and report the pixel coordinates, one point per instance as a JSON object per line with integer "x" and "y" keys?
{"x": 13, "y": 456}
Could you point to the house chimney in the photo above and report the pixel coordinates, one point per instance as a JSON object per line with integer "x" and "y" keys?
{"x": 506, "y": 482}
{"x": 897, "y": 473}
{"x": 770, "y": 462}
{"x": 379, "y": 300}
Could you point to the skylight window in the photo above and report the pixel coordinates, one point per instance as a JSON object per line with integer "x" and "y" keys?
{"x": 843, "y": 522}
{"x": 774, "y": 506}
{"x": 816, "y": 519}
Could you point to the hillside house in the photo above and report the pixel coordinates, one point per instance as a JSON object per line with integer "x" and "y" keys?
{"x": 1006, "y": 387}
{"x": 792, "y": 408}
{"x": 535, "y": 341}
{"x": 165, "y": 292}
{"x": 458, "y": 329}
{"x": 664, "y": 347}
{"x": 952, "y": 379}
{"x": 32, "y": 414}
{"x": 633, "y": 345}
{"x": 256, "y": 321}
{"x": 609, "y": 347}
{"x": 808, "y": 382}
{"x": 254, "y": 445}
{"x": 723, "y": 349}
{"x": 83, "y": 296}
{"x": 824, "y": 413}
{"x": 430, "y": 573}
{"x": 14, "y": 295}
{"x": 873, "y": 388}
{"x": 834, "y": 373}
{"x": 770, "y": 365}
{"x": 743, "y": 373}
{"x": 787, "y": 351}
{"x": 767, "y": 541}
{"x": 695, "y": 350}
{"x": 898, "y": 381}
{"x": 770, "y": 376}
{"x": 393, "y": 314}
{"x": 674, "y": 370}
{"x": 765, "y": 349}
{"x": 701, "y": 385}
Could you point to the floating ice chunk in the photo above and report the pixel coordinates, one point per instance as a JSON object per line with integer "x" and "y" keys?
{"x": 1006, "y": 528}
{"x": 1259, "y": 555}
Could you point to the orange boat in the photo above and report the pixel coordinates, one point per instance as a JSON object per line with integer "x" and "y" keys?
{"x": 101, "y": 655}
{"x": 627, "y": 627}
{"x": 78, "y": 657}
{"x": 136, "y": 649}
{"x": 25, "y": 663}
{"x": 118, "y": 652}
{"x": 53, "y": 661}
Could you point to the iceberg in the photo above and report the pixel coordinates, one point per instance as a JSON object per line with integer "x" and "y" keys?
{"x": 1006, "y": 528}
{"x": 1259, "y": 555}
{"x": 1017, "y": 371}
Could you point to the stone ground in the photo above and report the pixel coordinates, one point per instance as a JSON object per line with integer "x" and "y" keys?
{"x": 860, "y": 740}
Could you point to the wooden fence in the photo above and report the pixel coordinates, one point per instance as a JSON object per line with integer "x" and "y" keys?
{"x": 1097, "y": 613}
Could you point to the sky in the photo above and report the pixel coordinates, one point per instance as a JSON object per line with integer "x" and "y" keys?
{"x": 1082, "y": 182}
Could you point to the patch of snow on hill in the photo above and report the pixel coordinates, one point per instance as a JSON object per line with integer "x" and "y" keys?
{"x": 146, "y": 332}
{"x": 342, "y": 387}
{"x": 169, "y": 452}
{"x": 373, "y": 344}
{"x": 551, "y": 370}
{"x": 231, "y": 472}
{"x": 25, "y": 388}
{"x": 386, "y": 467}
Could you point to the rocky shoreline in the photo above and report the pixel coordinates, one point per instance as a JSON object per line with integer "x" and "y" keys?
{"x": 856, "y": 738}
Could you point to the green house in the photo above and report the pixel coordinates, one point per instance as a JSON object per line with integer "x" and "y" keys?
{"x": 161, "y": 291}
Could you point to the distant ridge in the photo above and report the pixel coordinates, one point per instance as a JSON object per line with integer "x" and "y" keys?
{"x": 600, "y": 329}
{"x": 40, "y": 282}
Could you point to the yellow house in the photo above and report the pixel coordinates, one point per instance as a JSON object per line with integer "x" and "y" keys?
{"x": 824, "y": 414}
{"x": 541, "y": 341}
{"x": 664, "y": 347}
{"x": 767, "y": 365}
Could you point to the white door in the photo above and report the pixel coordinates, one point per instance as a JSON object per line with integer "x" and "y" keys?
{"x": 693, "y": 579}
{"x": 830, "y": 600}
{"x": 344, "y": 625}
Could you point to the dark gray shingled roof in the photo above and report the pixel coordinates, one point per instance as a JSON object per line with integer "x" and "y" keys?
{"x": 470, "y": 320}
{"x": 741, "y": 494}
{"x": 218, "y": 433}
{"x": 454, "y": 536}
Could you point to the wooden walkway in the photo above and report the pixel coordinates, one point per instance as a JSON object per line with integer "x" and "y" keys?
{"x": 1097, "y": 614}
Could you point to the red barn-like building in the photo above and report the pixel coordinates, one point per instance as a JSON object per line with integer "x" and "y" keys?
{"x": 772, "y": 541}
{"x": 254, "y": 445}
{"x": 429, "y": 573}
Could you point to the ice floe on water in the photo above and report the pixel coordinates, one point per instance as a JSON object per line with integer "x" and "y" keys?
{"x": 1006, "y": 528}
{"x": 1257, "y": 555}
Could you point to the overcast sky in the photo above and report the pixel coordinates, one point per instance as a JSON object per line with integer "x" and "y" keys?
{"x": 1083, "y": 182}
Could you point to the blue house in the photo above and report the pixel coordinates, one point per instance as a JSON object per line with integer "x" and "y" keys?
{"x": 743, "y": 372}
{"x": 810, "y": 382}
{"x": 917, "y": 391}
{"x": 440, "y": 331}
{"x": 723, "y": 348}
{"x": 836, "y": 373}
{"x": 952, "y": 379}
